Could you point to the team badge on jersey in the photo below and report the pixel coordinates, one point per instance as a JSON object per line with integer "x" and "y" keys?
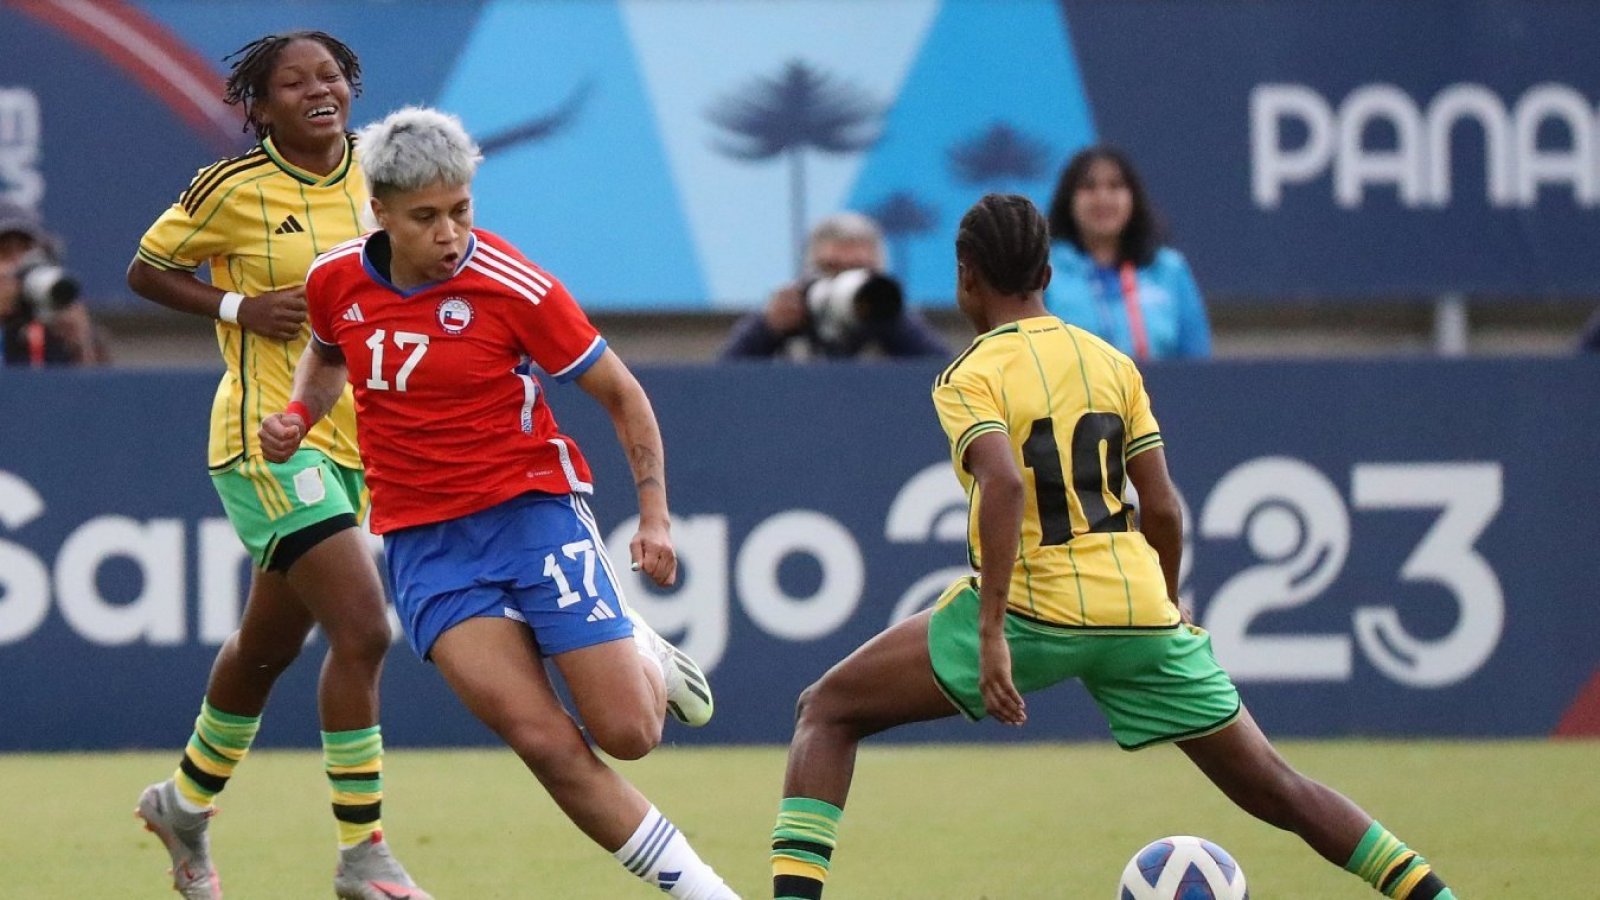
{"x": 455, "y": 314}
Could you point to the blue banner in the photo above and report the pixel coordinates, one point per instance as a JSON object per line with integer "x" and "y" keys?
{"x": 1355, "y": 150}
{"x": 1359, "y": 149}
{"x": 641, "y": 169}
{"x": 1388, "y": 548}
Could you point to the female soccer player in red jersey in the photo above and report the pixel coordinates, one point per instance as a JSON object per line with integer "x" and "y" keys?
{"x": 496, "y": 561}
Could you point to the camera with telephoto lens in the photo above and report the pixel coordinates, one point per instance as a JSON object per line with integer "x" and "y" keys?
{"x": 846, "y": 308}
{"x": 43, "y": 286}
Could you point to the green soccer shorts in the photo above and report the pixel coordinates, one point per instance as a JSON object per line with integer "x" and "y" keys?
{"x": 267, "y": 502}
{"x": 1153, "y": 687}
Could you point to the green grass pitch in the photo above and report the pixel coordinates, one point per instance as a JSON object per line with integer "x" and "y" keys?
{"x": 1499, "y": 820}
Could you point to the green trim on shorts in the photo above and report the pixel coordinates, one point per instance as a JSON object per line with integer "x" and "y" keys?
{"x": 1153, "y": 687}
{"x": 267, "y": 502}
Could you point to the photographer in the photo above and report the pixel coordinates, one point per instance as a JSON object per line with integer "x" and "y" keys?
{"x": 844, "y": 307}
{"x": 43, "y": 323}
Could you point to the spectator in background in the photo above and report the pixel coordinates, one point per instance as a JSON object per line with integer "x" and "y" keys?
{"x": 40, "y": 317}
{"x": 1113, "y": 276}
{"x": 845, "y": 306}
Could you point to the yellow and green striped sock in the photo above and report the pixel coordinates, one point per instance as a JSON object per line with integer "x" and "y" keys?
{"x": 354, "y": 761}
{"x": 220, "y": 740}
{"x": 802, "y": 847}
{"x": 1394, "y": 869}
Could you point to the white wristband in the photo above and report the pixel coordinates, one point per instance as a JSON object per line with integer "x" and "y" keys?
{"x": 228, "y": 309}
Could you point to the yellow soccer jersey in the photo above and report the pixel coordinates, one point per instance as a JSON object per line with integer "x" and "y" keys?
{"x": 259, "y": 221}
{"x": 1076, "y": 411}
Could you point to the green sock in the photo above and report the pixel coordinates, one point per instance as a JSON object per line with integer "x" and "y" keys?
{"x": 1381, "y": 860}
{"x": 354, "y": 761}
{"x": 220, "y": 740}
{"x": 802, "y": 847}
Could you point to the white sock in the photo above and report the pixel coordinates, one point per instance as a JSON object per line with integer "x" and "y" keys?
{"x": 644, "y": 640}
{"x": 661, "y": 856}
{"x": 185, "y": 804}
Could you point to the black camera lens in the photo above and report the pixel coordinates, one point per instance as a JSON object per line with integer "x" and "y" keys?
{"x": 879, "y": 300}
{"x": 61, "y": 290}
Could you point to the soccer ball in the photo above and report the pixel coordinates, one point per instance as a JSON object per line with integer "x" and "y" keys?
{"x": 1182, "y": 868}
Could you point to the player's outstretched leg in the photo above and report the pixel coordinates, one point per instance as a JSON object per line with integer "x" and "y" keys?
{"x": 1240, "y": 760}
{"x": 179, "y": 810}
{"x": 688, "y": 690}
{"x": 493, "y": 666}
{"x": 888, "y": 681}
{"x": 338, "y": 582}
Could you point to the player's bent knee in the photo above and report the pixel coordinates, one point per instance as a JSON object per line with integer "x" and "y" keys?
{"x": 258, "y": 654}
{"x": 821, "y": 704}
{"x": 535, "y": 745}
{"x": 364, "y": 640}
{"x": 802, "y": 704}
{"x": 551, "y": 753}
{"x": 628, "y": 740}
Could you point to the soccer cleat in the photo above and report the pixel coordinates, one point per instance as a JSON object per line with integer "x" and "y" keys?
{"x": 688, "y": 691}
{"x": 184, "y": 834}
{"x": 368, "y": 871}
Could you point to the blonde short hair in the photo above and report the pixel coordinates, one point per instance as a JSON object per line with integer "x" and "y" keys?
{"x": 414, "y": 147}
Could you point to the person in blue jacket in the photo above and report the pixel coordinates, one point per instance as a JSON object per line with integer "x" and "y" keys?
{"x": 1113, "y": 276}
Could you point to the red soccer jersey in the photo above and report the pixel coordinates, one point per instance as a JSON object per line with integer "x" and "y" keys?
{"x": 450, "y": 419}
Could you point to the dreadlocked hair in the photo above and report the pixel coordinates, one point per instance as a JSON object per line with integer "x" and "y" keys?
{"x": 1007, "y": 239}
{"x": 253, "y": 64}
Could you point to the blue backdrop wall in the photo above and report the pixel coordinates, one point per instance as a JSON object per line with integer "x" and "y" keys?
{"x": 1400, "y": 548}
{"x": 1358, "y": 150}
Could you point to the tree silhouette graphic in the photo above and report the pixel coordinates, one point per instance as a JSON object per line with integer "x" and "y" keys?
{"x": 540, "y": 127}
{"x": 1000, "y": 154}
{"x": 902, "y": 216}
{"x": 800, "y": 108}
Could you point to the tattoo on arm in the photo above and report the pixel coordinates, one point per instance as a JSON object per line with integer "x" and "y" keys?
{"x": 646, "y": 464}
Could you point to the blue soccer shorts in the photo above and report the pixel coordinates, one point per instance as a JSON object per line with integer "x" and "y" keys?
{"x": 536, "y": 558}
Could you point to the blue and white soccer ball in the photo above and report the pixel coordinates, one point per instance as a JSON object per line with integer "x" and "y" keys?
{"x": 1182, "y": 868}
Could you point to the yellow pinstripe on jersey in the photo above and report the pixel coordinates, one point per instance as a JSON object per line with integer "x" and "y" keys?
{"x": 259, "y": 221}
{"x": 1075, "y": 410}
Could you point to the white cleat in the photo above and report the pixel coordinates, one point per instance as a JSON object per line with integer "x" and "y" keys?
{"x": 688, "y": 692}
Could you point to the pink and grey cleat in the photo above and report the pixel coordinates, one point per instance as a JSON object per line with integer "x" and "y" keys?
{"x": 184, "y": 834}
{"x": 369, "y": 871}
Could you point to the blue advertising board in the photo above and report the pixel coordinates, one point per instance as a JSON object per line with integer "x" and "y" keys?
{"x": 1298, "y": 149}
{"x": 1384, "y": 548}
{"x": 1359, "y": 149}
{"x": 630, "y": 147}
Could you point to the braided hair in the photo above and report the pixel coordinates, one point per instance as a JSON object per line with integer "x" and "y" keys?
{"x": 253, "y": 64}
{"x": 1007, "y": 239}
